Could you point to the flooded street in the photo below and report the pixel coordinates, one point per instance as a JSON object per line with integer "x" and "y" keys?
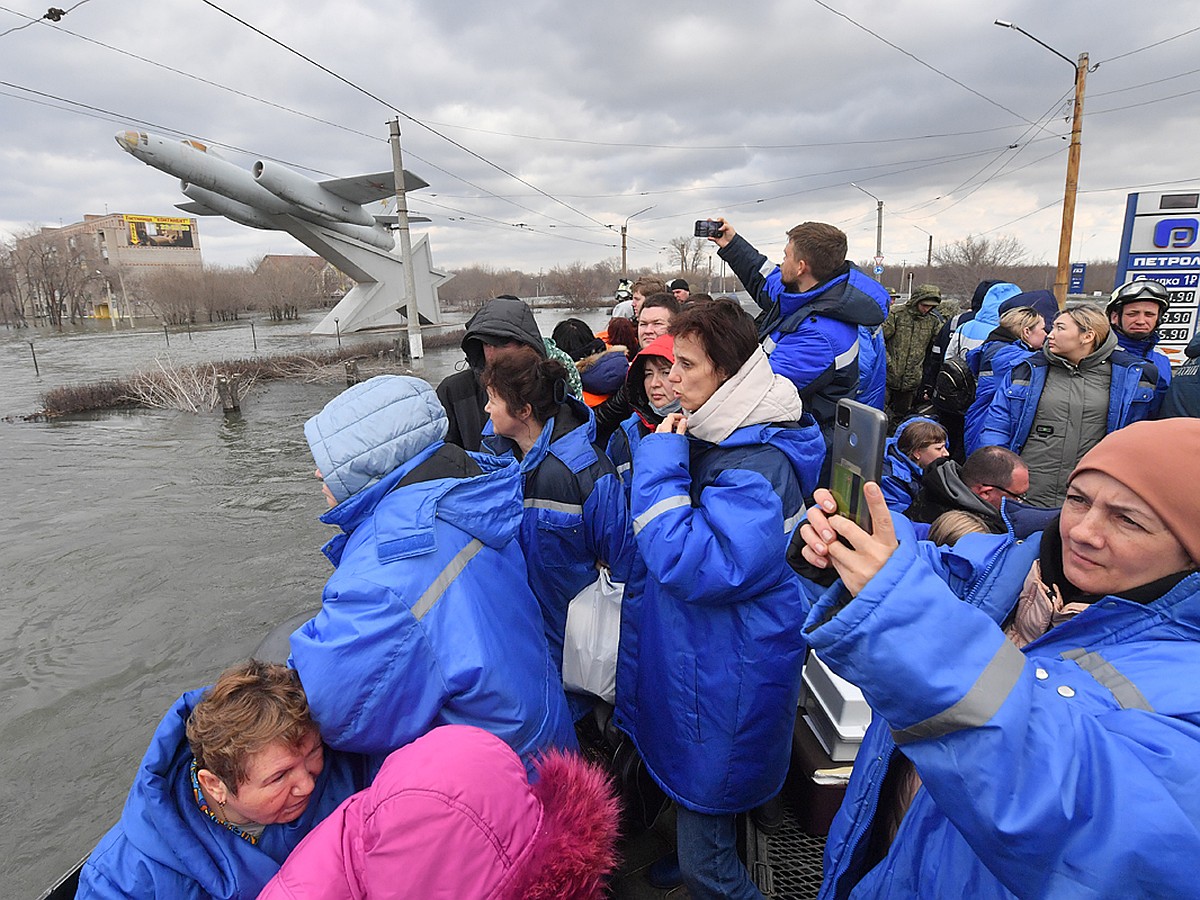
{"x": 143, "y": 552}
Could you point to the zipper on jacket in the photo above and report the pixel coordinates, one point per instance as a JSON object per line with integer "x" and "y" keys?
{"x": 861, "y": 831}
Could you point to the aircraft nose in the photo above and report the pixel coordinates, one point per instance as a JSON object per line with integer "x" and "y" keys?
{"x": 127, "y": 139}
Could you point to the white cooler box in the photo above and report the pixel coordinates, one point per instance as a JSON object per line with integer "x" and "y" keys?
{"x": 836, "y": 709}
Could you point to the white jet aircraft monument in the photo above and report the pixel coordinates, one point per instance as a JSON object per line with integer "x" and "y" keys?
{"x": 326, "y": 216}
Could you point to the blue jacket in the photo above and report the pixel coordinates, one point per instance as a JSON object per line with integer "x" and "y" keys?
{"x": 974, "y": 331}
{"x": 990, "y": 362}
{"x": 901, "y": 479}
{"x": 708, "y": 676}
{"x": 165, "y": 846}
{"x": 1064, "y": 770}
{"x": 1143, "y": 348}
{"x": 813, "y": 337}
{"x": 1132, "y": 397}
{"x": 575, "y": 514}
{"x": 872, "y": 367}
{"x": 409, "y": 635}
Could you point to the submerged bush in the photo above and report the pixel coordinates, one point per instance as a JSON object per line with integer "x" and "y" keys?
{"x": 194, "y": 388}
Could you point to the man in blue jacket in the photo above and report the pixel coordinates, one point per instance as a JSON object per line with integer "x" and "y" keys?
{"x": 1135, "y": 311}
{"x": 818, "y": 310}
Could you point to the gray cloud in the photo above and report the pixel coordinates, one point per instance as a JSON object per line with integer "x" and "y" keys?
{"x": 764, "y": 111}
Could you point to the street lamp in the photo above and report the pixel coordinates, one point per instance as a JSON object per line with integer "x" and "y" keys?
{"x": 878, "y": 229}
{"x": 1068, "y": 218}
{"x": 624, "y": 232}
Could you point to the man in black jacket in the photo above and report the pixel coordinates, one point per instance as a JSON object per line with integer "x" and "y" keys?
{"x": 503, "y": 322}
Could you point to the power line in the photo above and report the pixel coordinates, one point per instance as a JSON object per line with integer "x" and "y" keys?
{"x": 52, "y": 15}
{"x": 917, "y": 59}
{"x": 1150, "y": 46}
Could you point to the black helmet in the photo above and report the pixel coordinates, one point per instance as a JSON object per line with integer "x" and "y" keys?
{"x": 1139, "y": 289}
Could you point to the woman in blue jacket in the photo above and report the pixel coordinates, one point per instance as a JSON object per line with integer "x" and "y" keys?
{"x": 1053, "y": 407}
{"x": 575, "y": 516}
{"x": 235, "y": 776}
{"x": 1021, "y": 332}
{"x": 410, "y": 634}
{"x": 1036, "y": 728}
{"x": 915, "y": 445}
{"x": 652, "y": 397}
{"x": 708, "y": 675}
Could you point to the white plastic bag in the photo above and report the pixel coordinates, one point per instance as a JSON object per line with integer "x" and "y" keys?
{"x": 592, "y": 637}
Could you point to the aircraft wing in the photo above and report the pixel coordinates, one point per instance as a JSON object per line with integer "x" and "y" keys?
{"x": 367, "y": 188}
{"x": 197, "y": 209}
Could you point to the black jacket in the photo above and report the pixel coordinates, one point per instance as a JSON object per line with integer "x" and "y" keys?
{"x": 464, "y": 398}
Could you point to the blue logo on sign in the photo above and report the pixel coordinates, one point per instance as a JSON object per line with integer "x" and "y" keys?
{"x": 1176, "y": 233}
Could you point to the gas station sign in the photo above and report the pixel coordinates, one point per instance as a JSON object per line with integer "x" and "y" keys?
{"x": 1161, "y": 241}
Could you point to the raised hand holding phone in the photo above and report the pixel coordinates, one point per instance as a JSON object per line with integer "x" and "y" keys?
{"x": 860, "y": 554}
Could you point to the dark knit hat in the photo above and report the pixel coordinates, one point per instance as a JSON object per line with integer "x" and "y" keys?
{"x": 1157, "y": 461}
{"x": 678, "y": 284}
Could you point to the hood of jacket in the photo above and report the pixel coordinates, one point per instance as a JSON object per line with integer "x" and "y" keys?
{"x": 372, "y": 428}
{"x": 754, "y": 395}
{"x": 603, "y": 372}
{"x": 1093, "y": 360}
{"x": 980, "y": 292}
{"x": 943, "y": 482}
{"x": 989, "y": 309}
{"x": 1042, "y": 302}
{"x": 459, "y": 793}
{"x": 502, "y": 319}
{"x": 441, "y": 482}
{"x": 161, "y": 819}
{"x": 903, "y": 467}
{"x": 664, "y": 346}
{"x": 849, "y": 296}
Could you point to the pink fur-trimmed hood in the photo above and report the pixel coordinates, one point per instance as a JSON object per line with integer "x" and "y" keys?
{"x": 452, "y": 815}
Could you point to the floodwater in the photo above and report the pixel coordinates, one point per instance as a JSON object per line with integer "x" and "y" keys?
{"x": 142, "y": 553}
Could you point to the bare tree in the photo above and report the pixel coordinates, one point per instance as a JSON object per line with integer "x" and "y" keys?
{"x": 55, "y": 273}
{"x": 475, "y": 285}
{"x": 580, "y": 285}
{"x": 690, "y": 253}
{"x": 964, "y": 263}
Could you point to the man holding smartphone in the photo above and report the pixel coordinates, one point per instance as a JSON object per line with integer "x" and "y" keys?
{"x": 818, "y": 308}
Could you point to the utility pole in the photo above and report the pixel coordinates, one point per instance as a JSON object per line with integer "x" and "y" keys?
{"x": 416, "y": 348}
{"x": 878, "y": 230}
{"x": 1062, "y": 276}
{"x": 1063, "y": 273}
{"x": 624, "y": 233}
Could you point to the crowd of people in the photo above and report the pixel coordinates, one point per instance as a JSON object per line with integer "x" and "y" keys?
{"x": 1020, "y": 616}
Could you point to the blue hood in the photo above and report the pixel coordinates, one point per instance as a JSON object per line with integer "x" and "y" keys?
{"x": 406, "y": 529}
{"x": 850, "y": 296}
{"x": 989, "y": 311}
{"x": 370, "y": 429}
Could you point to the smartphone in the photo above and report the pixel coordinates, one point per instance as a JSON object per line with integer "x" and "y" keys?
{"x": 856, "y": 454}
{"x": 708, "y": 228}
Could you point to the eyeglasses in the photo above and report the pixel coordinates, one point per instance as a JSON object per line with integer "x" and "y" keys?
{"x": 1020, "y": 498}
{"x": 1142, "y": 287}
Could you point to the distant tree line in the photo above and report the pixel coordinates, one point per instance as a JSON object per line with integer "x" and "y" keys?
{"x": 47, "y": 278}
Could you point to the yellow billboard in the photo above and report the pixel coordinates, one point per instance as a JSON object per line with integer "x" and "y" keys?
{"x": 159, "y": 231}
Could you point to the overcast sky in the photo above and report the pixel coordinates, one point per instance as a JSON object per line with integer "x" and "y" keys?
{"x": 763, "y": 111}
